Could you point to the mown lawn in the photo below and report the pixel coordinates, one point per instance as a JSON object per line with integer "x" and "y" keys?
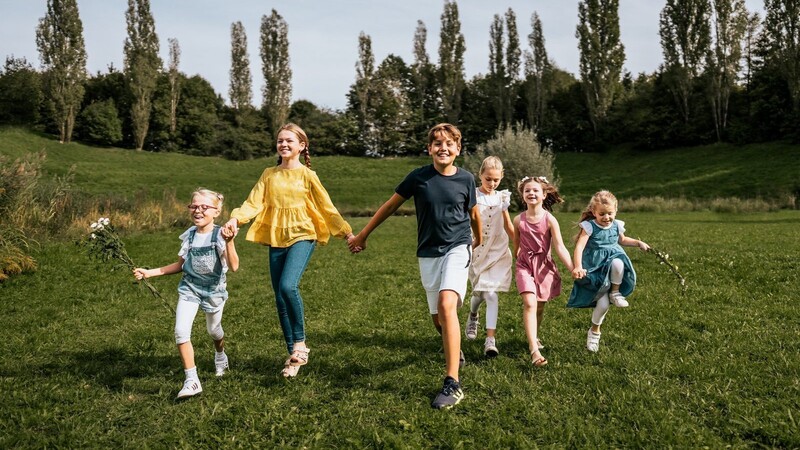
{"x": 89, "y": 359}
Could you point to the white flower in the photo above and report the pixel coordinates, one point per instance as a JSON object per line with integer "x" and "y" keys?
{"x": 104, "y": 221}
{"x": 94, "y": 225}
{"x": 100, "y": 227}
{"x": 93, "y": 236}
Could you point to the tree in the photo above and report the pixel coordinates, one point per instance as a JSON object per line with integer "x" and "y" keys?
{"x": 277, "y": 71}
{"x": 174, "y": 82}
{"x": 142, "y": 65}
{"x": 782, "y": 29}
{"x": 497, "y": 69}
{"x": 59, "y": 38}
{"x": 685, "y": 40}
{"x": 362, "y": 90}
{"x": 537, "y": 69}
{"x": 241, "y": 88}
{"x": 451, "y": 61}
{"x": 20, "y": 92}
{"x": 513, "y": 55}
{"x": 425, "y": 92}
{"x": 99, "y": 123}
{"x": 601, "y": 56}
{"x": 724, "y": 60}
{"x": 391, "y": 108}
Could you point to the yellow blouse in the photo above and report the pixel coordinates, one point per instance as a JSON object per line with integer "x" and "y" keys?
{"x": 290, "y": 205}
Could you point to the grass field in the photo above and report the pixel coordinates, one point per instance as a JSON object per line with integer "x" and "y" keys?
{"x": 89, "y": 360}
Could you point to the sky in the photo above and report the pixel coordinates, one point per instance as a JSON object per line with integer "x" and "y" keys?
{"x": 323, "y": 35}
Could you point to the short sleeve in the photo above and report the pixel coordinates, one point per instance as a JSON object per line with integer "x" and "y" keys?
{"x": 505, "y": 199}
{"x": 406, "y": 187}
{"x": 620, "y": 226}
{"x": 587, "y": 227}
{"x": 185, "y": 242}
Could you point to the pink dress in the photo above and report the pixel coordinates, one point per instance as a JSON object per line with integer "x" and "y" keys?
{"x": 536, "y": 271}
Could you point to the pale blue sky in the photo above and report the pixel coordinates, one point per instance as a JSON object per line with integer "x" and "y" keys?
{"x": 323, "y": 35}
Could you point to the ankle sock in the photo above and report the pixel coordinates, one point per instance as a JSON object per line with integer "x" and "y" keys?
{"x": 191, "y": 373}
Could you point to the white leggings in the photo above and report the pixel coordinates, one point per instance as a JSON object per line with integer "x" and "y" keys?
{"x": 492, "y": 306}
{"x": 184, "y": 316}
{"x": 599, "y": 313}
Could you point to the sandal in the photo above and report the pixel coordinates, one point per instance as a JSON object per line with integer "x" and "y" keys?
{"x": 539, "y": 343}
{"x": 299, "y": 357}
{"x": 538, "y": 362}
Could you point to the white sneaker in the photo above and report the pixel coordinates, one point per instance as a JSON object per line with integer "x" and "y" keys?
{"x": 191, "y": 387}
{"x": 592, "y": 341}
{"x": 221, "y": 364}
{"x": 618, "y": 300}
{"x": 471, "y": 330}
{"x": 490, "y": 347}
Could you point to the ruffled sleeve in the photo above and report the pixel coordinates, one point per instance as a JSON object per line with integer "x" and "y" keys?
{"x": 254, "y": 203}
{"x": 620, "y": 226}
{"x": 185, "y": 242}
{"x": 505, "y": 199}
{"x": 326, "y": 217}
{"x": 587, "y": 227}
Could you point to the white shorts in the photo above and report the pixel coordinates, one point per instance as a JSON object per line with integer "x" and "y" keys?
{"x": 445, "y": 273}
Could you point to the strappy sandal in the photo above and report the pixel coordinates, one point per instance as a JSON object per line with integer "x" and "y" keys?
{"x": 538, "y": 362}
{"x": 292, "y": 365}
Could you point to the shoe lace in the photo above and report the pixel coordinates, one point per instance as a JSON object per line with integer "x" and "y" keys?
{"x": 449, "y": 388}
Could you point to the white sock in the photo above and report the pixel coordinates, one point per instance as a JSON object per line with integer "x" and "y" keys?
{"x": 191, "y": 374}
{"x": 219, "y": 355}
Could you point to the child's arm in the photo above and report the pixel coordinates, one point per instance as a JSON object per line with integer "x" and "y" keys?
{"x": 631, "y": 242}
{"x": 578, "y": 271}
{"x": 557, "y": 242}
{"x": 359, "y": 241}
{"x": 230, "y": 254}
{"x": 515, "y": 240}
{"x": 508, "y": 225}
{"x": 475, "y": 223}
{"x": 175, "y": 267}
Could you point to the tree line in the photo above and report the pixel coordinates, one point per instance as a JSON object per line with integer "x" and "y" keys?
{"x": 727, "y": 75}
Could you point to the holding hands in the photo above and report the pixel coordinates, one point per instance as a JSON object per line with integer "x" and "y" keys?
{"x": 230, "y": 229}
{"x": 356, "y": 243}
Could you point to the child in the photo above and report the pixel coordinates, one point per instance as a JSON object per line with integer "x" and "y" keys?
{"x": 536, "y": 231}
{"x": 203, "y": 258}
{"x": 444, "y": 197}
{"x": 490, "y": 271}
{"x": 603, "y": 272}
{"x": 293, "y": 213}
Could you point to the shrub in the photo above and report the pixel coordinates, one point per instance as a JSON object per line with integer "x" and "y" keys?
{"x": 99, "y": 123}
{"x": 522, "y": 156}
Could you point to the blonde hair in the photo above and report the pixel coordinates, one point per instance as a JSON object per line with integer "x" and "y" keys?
{"x": 491, "y": 162}
{"x": 599, "y": 198}
{"x": 552, "y": 196}
{"x": 215, "y": 197}
{"x": 302, "y": 137}
{"x": 445, "y": 129}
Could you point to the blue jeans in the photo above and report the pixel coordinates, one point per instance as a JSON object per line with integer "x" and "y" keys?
{"x": 286, "y": 267}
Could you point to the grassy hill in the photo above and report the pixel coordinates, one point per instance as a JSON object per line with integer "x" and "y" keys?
{"x": 768, "y": 171}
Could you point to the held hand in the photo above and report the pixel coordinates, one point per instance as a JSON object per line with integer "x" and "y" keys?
{"x": 227, "y": 233}
{"x": 356, "y": 244}
{"x": 578, "y": 273}
{"x": 139, "y": 273}
{"x": 231, "y": 227}
{"x": 643, "y": 246}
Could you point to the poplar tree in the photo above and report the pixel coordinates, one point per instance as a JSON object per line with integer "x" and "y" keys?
{"x": 277, "y": 71}
{"x": 782, "y": 30}
{"x": 497, "y": 69}
{"x": 59, "y": 38}
{"x": 451, "y": 61}
{"x": 729, "y": 23}
{"x": 537, "y": 68}
{"x": 685, "y": 40}
{"x": 601, "y": 55}
{"x": 513, "y": 64}
{"x": 425, "y": 96}
{"x": 241, "y": 87}
{"x": 365, "y": 73}
{"x": 142, "y": 65}
{"x": 174, "y": 83}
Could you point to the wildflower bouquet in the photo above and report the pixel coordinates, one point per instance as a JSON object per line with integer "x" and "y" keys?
{"x": 104, "y": 244}
{"x": 663, "y": 259}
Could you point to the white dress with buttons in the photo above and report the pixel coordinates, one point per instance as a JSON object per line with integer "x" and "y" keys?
{"x": 491, "y": 261}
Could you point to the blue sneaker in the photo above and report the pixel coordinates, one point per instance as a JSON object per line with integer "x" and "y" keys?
{"x": 449, "y": 396}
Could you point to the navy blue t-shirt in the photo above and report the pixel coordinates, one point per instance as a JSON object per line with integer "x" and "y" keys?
{"x": 443, "y": 204}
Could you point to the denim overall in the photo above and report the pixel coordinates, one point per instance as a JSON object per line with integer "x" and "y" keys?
{"x": 203, "y": 281}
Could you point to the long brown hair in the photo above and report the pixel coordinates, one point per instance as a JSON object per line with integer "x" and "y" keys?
{"x": 301, "y": 136}
{"x": 599, "y": 198}
{"x": 552, "y": 196}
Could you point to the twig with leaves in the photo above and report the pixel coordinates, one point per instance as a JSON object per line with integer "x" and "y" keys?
{"x": 664, "y": 259}
{"x": 104, "y": 244}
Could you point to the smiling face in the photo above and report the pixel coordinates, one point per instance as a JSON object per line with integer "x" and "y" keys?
{"x": 444, "y": 149}
{"x": 203, "y": 210}
{"x": 604, "y": 213}
{"x": 490, "y": 179}
{"x": 532, "y": 193}
{"x": 289, "y": 146}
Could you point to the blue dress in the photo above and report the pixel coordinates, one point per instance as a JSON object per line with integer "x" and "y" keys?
{"x": 601, "y": 248}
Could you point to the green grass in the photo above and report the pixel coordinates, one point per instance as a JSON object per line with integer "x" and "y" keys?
{"x": 359, "y": 185}
{"x": 89, "y": 360}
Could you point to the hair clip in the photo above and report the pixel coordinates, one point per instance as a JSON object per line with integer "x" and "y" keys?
{"x": 543, "y": 179}
{"x": 524, "y": 179}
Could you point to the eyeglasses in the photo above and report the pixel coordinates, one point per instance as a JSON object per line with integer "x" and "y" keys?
{"x": 201, "y": 208}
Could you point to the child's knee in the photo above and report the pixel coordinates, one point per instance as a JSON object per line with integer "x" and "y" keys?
{"x": 216, "y": 332}
{"x": 182, "y": 335}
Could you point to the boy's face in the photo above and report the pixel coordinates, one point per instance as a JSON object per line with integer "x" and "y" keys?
{"x": 443, "y": 150}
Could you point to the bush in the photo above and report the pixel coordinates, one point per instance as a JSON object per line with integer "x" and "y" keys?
{"x": 522, "y": 156}
{"x": 99, "y": 123}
